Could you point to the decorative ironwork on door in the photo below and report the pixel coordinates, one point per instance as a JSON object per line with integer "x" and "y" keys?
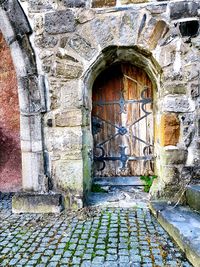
{"x": 119, "y": 129}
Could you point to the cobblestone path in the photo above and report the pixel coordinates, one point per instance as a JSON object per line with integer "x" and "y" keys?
{"x": 107, "y": 237}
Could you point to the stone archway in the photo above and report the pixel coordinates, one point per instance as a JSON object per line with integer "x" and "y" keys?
{"x": 16, "y": 30}
{"x": 109, "y": 56}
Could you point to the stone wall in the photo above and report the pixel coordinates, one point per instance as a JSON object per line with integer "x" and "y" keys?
{"x": 73, "y": 41}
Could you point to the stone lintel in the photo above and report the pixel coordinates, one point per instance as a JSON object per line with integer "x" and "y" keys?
{"x": 36, "y": 203}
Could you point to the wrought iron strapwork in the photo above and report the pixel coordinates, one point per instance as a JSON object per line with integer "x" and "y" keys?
{"x": 97, "y": 125}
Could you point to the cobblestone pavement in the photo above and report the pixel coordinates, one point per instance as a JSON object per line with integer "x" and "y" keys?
{"x": 95, "y": 237}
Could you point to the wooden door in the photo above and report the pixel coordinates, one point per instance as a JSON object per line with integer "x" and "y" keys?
{"x": 122, "y": 122}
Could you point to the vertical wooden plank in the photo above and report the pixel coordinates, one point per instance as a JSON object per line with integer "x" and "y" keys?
{"x": 131, "y": 80}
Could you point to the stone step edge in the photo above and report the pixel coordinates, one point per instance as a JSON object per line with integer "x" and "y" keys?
{"x": 37, "y": 203}
{"x": 118, "y": 181}
{"x": 173, "y": 231}
{"x": 193, "y": 196}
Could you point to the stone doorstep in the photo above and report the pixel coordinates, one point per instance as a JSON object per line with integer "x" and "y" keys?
{"x": 36, "y": 203}
{"x": 183, "y": 225}
{"x": 118, "y": 181}
{"x": 193, "y": 197}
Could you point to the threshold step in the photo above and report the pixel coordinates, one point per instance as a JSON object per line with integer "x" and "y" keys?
{"x": 183, "y": 225}
{"x": 118, "y": 181}
{"x": 115, "y": 199}
{"x": 193, "y": 197}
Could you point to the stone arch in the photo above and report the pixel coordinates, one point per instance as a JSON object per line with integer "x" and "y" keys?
{"x": 16, "y": 30}
{"x": 113, "y": 54}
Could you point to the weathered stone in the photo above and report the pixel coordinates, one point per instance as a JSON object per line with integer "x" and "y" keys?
{"x": 17, "y": 17}
{"x": 157, "y": 9}
{"x": 105, "y": 30}
{"x": 41, "y": 5}
{"x": 55, "y": 95}
{"x": 196, "y": 42}
{"x": 128, "y": 27}
{"x": 64, "y": 54}
{"x": 30, "y": 94}
{"x": 194, "y": 90}
{"x": 174, "y": 88}
{"x": 36, "y": 203}
{"x": 103, "y": 3}
{"x": 46, "y": 41}
{"x": 173, "y": 155}
{"x": 71, "y": 98}
{"x": 159, "y": 29}
{"x": 68, "y": 139}
{"x": 81, "y": 46}
{"x": 170, "y": 175}
{"x": 33, "y": 178}
{"x": 84, "y": 16}
{"x": 74, "y": 3}
{"x": 69, "y": 118}
{"x": 176, "y": 104}
{"x": 183, "y": 9}
{"x": 22, "y": 45}
{"x": 169, "y": 129}
{"x": 193, "y": 196}
{"x": 59, "y": 22}
{"x": 125, "y": 2}
{"x": 68, "y": 175}
{"x": 67, "y": 70}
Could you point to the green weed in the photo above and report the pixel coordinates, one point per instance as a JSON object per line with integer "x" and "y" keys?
{"x": 148, "y": 181}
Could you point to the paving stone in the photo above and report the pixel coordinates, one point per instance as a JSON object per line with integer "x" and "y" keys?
{"x": 30, "y": 240}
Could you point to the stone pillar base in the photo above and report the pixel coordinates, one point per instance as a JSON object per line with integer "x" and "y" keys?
{"x": 37, "y": 203}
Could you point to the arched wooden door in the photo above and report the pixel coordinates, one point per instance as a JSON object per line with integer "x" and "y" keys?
{"x": 122, "y": 122}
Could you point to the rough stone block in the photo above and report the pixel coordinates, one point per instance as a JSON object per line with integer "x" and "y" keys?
{"x": 104, "y": 29}
{"x": 128, "y": 27}
{"x": 74, "y": 3}
{"x": 32, "y": 170}
{"x": 193, "y": 196}
{"x": 59, "y": 22}
{"x": 157, "y": 33}
{"x": 103, "y": 3}
{"x": 173, "y": 155}
{"x": 125, "y": 2}
{"x": 71, "y": 98}
{"x": 46, "y": 41}
{"x": 29, "y": 94}
{"x": 176, "y": 104}
{"x": 67, "y": 70}
{"x": 174, "y": 88}
{"x": 169, "y": 129}
{"x": 170, "y": 175}
{"x": 69, "y": 175}
{"x": 183, "y": 9}
{"x": 81, "y": 46}
{"x": 69, "y": 118}
{"x": 16, "y": 16}
{"x": 36, "y": 203}
{"x": 67, "y": 139}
